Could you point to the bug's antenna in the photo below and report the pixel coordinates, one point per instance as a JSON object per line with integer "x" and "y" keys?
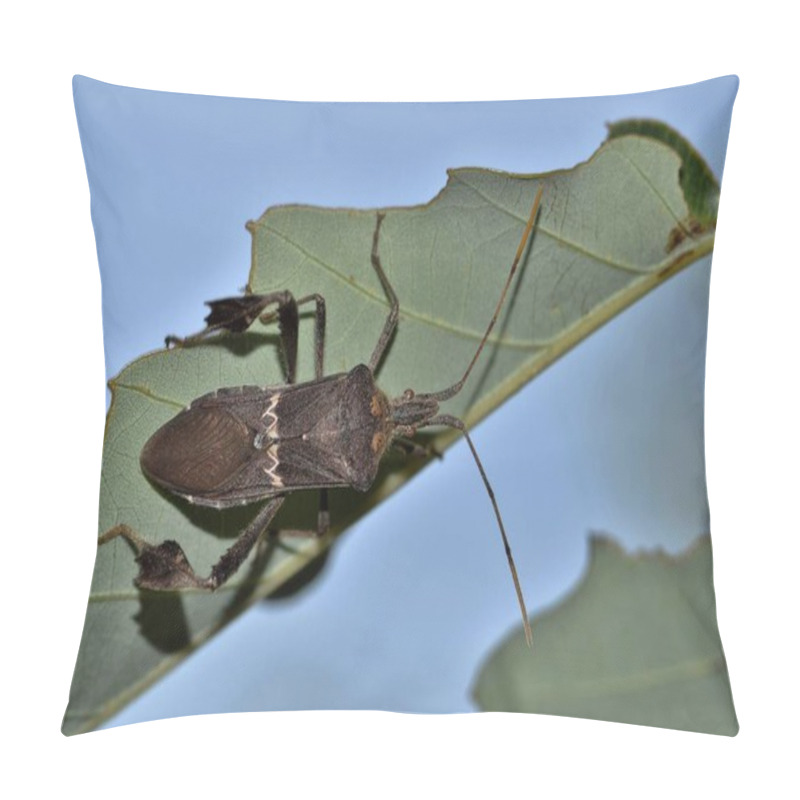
{"x": 455, "y": 422}
{"x": 445, "y": 394}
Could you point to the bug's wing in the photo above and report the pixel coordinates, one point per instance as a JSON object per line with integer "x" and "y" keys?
{"x": 208, "y": 453}
{"x": 197, "y": 451}
{"x": 307, "y": 466}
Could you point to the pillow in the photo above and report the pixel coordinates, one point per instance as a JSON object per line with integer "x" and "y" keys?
{"x": 597, "y": 465}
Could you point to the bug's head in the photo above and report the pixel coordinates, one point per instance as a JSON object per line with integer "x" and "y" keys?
{"x": 412, "y": 411}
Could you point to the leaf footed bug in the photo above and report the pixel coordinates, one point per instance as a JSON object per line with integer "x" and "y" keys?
{"x": 247, "y": 444}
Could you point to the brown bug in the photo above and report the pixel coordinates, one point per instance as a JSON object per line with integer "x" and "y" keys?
{"x": 247, "y": 444}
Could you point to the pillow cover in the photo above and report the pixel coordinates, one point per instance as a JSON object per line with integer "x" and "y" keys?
{"x": 409, "y": 613}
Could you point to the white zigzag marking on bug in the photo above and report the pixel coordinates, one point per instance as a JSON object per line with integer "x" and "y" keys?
{"x": 272, "y": 432}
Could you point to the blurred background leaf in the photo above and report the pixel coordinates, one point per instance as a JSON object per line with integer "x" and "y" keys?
{"x": 636, "y": 641}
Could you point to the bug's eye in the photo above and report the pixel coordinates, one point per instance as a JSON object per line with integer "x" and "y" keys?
{"x": 408, "y": 394}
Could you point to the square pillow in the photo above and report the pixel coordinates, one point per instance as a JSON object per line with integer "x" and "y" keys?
{"x": 406, "y": 602}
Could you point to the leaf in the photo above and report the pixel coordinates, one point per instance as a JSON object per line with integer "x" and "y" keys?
{"x": 605, "y": 237}
{"x": 700, "y": 187}
{"x": 636, "y": 641}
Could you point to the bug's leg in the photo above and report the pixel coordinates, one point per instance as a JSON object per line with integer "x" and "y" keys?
{"x": 394, "y": 306}
{"x": 289, "y": 334}
{"x": 323, "y": 523}
{"x": 323, "y": 517}
{"x": 319, "y": 331}
{"x": 236, "y": 314}
{"x": 164, "y": 567}
{"x": 412, "y": 448}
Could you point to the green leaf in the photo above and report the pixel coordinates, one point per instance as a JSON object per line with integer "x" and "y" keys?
{"x": 605, "y": 237}
{"x": 700, "y": 187}
{"x": 636, "y": 641}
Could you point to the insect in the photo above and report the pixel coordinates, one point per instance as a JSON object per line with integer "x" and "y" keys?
{"x": 248, "y": 444}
